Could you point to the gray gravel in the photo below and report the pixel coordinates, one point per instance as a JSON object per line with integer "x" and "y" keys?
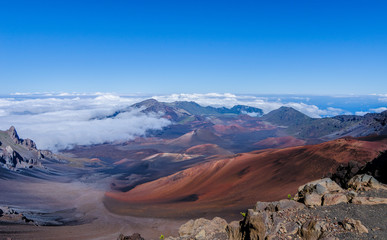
{"x": 374, "y": 217}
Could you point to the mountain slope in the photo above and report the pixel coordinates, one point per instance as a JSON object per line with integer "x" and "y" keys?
{"x": 16, "y": 153}
{"x": 183, "y": 111}
{"x": 286, "y": 116}
{"x": 235, "y": 183}
{"x": 299, "y": 125}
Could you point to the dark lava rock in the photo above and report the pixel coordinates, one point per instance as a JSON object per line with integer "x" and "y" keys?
{"x": 134, "y": 236}
{"x": 345, "y": 172}
{"x": 377, "y": 168}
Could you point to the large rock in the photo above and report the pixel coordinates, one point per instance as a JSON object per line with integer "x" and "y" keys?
{"x": 345, "y": 172}
{"x": 203, "y": 229}
{"x": 350, "y": 224}
{"x": 313, "y": 230}
{"x": 253, "y": 226}
{"x": 319, "y": 187}
{"x": 233, "y": 231}
{"x": 10, "y": 216}
{"x": 364, "y": 182}
{"x": 334, "y": 198}
{"x": 134, "y": 236}
{"x": 377, "y": 168}
{"x": 312, "y": 199}
{"x": 10, "y": 158}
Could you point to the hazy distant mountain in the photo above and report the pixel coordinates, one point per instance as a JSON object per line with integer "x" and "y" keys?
{"x": 286, "y": 116}
{"x": 300, "y": 125}
{"x": 183, "y": 111}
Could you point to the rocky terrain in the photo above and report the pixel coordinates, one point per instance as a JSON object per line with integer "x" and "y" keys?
{"x": 16, "y": 153}
{"x": 321, "y": 209}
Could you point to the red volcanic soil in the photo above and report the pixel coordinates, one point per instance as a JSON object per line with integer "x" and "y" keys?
{"x": 233, "y": 184}
{"x": 195, "y": 137}
{"x": 207, "y": 150}
{"x": 279, "y": 142}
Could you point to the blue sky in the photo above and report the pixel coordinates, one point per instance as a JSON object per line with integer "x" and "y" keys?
{"x": 244, "y": 47}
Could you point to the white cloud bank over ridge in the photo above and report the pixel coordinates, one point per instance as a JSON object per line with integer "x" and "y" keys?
{"x": 230, "y": 100}
{"x": 58, "y": 121}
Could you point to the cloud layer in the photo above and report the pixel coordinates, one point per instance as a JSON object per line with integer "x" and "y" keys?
{"x": 58, "y": 121}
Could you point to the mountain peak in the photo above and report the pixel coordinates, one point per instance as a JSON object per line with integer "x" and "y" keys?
{"x": 146, "y": 103}
{"x": 13, "y": 134}
{"x": 285, "y": 116}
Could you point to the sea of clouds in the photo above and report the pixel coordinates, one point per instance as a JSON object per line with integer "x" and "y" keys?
{"x": 60, "y": 121}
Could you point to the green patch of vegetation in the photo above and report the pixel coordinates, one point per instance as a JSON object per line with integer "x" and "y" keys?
{"x": 243, "y": 214}
{"x": 161, "y": 236}
{"x": 290, "y": 197}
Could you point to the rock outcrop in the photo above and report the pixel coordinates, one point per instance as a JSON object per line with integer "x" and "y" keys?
{"x": 16, "y": 153}
{"x": 17, "y": 140}
{"x": 320, "y": 192}
{"x": 134, "y": 236}
{"x": 364, "y": 182}
{"x": 295, "y": 219}
{"x": 202, "y": 229}
{"x": 350, "y": 224}
{"x": 10, "y": 216}
{"x": 11, "y": 159}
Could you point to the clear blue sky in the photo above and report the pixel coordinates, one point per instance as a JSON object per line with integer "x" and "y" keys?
{"x": 257, "y": 47}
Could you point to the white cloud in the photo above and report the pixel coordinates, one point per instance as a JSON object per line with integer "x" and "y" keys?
{"x": 361, "y": 113}
{"x": 57, "y": 123}
{"x": 378, "y": 110}
{"x": 229, "y": 100}
{"x": 379, "y": 94}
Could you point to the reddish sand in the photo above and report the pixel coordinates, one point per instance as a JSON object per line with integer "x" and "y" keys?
{"x": 208, "y": 150}
{"x": 236, "y": 183}
{"x": 279, "y": 142}
{"x": 195, "y": 137}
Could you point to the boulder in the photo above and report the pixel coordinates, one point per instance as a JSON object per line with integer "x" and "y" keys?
{"x": 253, "y": 226}
{"x": 202, "y": 229}
{"x": 313, "y": 230}
{"x": 134, "y": 236}
{"x": 345, "y": 172}
{"x": 233, "y": 231}
{"x": 319, "y": 187}
{"x": 350, "y": 224}
{"x": 334, "y": 198}
{"x": 312, "y": 199}
{"x": 364, "y": 182}
{"x": 377, "y": 168}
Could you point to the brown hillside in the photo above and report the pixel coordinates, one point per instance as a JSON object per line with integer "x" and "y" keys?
{"x": 236, "y": 183}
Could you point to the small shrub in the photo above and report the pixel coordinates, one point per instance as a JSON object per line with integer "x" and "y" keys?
{"x": 243, "y": 214}
{"x": 162, "y": 236}
{"x": 290, "y": 197}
